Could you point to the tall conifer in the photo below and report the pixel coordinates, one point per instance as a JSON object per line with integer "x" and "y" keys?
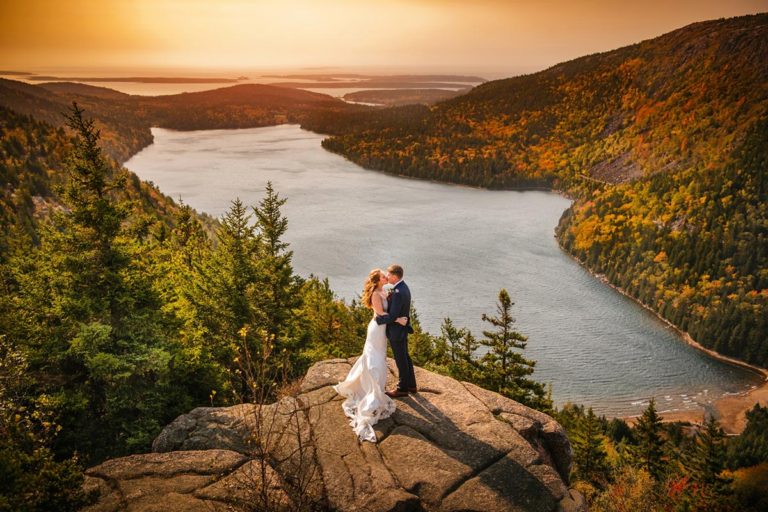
{"x": 505, "y": 370}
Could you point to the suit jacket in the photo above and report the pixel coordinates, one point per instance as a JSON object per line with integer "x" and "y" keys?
{"x": 399, "y": 304}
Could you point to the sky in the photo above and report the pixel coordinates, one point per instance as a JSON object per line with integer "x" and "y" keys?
{"x": 491, "y": 37}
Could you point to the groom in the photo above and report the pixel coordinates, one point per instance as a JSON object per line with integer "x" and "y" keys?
{"x": 399, "y": 305}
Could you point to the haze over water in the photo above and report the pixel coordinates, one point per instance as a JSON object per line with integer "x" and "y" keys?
{"x": 459, "y": 246}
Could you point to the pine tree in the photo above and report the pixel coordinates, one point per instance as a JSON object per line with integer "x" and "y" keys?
{"x": 650, "y": 444}
{"x": 589, "y": 451}
{"x": 188, "y": 237}
{"x": 468, "y": 346}
{"x": 459, "y": 346}
{"x": 217, "y": 291}
{"x": 88, "y": 232}
{"x": 421, "y": 344}
{"x": 277, "y": 292}
{"x": 97, "y": 331}
{"x": 451, "y": 338}
{"x": 707, "y": 461}
{"x": 504, "y": 369}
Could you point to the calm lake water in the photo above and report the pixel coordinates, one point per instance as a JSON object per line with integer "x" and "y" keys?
{"x": 458, "y": 246}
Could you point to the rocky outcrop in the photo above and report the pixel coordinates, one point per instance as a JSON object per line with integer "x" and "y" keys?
{"x": 452, "y": 446}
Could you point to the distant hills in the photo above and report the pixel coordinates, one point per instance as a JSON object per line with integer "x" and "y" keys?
{"x": 125, "y": 120}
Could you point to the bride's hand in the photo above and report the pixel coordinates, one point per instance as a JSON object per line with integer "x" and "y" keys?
{"x": 402, "y": 320}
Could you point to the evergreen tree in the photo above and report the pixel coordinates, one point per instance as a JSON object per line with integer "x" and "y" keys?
{"x": 451, "y": 339}
{"x": 751, "y": 447}
{"x": 619, "y": 431}
{"x": 468, "y": 346}
{"x": 650, "y": 444}
{"x": 236, "y": 262}
{"x": 94, "y": 326}
{"x": 706, "y": 462}
{"x": 90, "y": 252}
{"x": 421, "y": 344}
{"x": 504, "y": 369}
{"x": 466, "y": 366}
{"x": 277, "y": 291}
{"x": 188, "y": 238}
{"x": 589, "y": 451}
{"x": 220, "y": 295}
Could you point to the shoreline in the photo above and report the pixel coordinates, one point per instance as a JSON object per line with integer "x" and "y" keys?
{"x": 730, "y": 411}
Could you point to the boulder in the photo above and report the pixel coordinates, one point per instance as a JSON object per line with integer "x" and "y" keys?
{"x": 452, "y": 446}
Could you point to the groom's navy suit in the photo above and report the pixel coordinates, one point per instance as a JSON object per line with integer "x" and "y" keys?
{"x": 399, "y": 305}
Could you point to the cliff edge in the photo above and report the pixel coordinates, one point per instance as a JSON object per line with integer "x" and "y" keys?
{"x": 452, "y": 446}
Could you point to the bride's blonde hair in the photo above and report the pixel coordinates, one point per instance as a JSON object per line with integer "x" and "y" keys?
{"x": 374, "y": 277}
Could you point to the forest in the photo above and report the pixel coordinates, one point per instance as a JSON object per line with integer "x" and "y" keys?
{"x": 119, "y": 313}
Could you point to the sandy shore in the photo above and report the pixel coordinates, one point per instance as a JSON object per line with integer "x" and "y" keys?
{"x": 730, "y": 411}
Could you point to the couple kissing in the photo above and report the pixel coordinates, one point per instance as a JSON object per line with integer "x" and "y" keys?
{"x": 367, "y": 402}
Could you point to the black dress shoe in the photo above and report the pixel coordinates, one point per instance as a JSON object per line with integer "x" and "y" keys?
{"x": 413, "y": 390}
{"x": 396, "y": 393}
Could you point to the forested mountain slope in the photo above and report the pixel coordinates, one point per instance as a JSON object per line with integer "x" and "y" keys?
{"x": 32, "y": 155}
{"x": 660, "y": 105}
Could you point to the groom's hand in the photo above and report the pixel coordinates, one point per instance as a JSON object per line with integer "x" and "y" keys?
{"x": 402, "y": 320}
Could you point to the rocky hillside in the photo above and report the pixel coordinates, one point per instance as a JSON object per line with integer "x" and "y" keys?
{"x": 453, "y": 446}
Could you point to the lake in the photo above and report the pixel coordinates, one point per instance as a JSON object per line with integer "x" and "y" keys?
{"x": 458, "y": 246}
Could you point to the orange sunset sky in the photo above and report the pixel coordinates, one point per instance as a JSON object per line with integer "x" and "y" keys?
{"x": 484, "y": 36}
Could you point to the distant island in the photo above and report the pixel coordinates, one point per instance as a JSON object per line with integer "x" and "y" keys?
{"x": 330, "y": 77}
{"x": 135, "y": 79}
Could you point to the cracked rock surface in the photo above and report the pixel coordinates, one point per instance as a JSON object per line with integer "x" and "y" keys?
{"x": 451, "y": 447}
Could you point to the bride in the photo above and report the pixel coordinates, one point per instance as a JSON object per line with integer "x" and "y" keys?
{"x": 366, "y": 402}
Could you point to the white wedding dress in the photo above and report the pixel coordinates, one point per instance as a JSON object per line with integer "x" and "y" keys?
{"x": 366, "y": 402}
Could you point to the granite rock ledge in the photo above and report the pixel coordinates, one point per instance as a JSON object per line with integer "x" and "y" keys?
{"x": 451, "y": 447}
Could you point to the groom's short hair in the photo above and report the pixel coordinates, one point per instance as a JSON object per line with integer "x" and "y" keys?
{"x": 395, "y": 269}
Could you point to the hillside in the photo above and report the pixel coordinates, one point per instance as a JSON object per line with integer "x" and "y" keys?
{"x": 122, "y": 133}
{"x": 125, "y": 120}
{"x": 662, "y": 144}
{"x": 32, "y": 155}
{"x": 662, "y": 104}
{"x": 399, "y": 97}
